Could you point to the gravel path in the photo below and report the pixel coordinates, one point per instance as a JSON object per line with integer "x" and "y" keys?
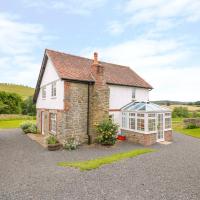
{"x": 28, "y": 171}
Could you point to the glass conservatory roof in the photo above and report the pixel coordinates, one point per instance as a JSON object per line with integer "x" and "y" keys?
{"x": 144, "y": 107}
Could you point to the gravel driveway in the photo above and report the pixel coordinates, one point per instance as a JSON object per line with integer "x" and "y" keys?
{"x": 28, "y": 171}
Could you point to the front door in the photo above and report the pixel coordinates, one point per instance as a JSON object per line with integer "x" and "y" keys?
{"x": 160, "y": 127}
{"x": 42, "y": 123}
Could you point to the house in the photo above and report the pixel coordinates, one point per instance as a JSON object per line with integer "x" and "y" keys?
{"x": 73, "y": 94}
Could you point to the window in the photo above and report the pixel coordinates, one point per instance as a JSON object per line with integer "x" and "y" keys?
{"x": 140, "y": 124}
{"x": 152, "y": 124}
{"x": 168, "y": 123}
{"x": 124, "y": 120}
{"x": 53, "y": 89}
{"x": 52, "y": 126}
{"x": 132, "y": 121}
{"x": 44, "y": 92}
{"x": 133, "y": 93}
{"x": 151, "y": 121}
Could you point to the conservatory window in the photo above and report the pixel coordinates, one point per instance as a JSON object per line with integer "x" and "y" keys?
{"x": 124, "y": 119}
{"x": 152, "y": 124}
{"x": 167, "y": 120}
{"x": 131, "y": 120}
{"x": 140, "y": 122}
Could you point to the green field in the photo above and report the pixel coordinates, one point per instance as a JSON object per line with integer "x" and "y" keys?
{"x": 178, "y": 126}
{"x": 23, "y": 91}
{"x": 14, "y": 121}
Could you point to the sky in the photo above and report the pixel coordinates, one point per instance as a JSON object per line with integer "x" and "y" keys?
{"x": 159, "y": 39}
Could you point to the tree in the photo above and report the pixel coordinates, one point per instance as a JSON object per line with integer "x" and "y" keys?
{"x": 28, "y": 107}
{"x": 180, "y": 112}
{"x": 10, "y": 103}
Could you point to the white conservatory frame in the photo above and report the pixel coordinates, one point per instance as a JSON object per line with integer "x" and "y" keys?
{"x": 145, "y": 111}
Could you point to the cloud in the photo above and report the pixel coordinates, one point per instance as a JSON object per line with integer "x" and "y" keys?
{"x": 159, "y": 15}
{"x": 160, "y": 62}
{"x": 78, "y": 7}
{"x": 18, "y": 43}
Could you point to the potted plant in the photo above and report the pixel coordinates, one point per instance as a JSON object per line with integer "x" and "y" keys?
{"x": 71, "y": 143}
{"x": 52, "y": 143}
{"x": 107, "y": 132}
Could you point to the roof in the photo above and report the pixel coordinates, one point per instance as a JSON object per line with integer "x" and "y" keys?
{"x": 79, "y": 68}
{"x": 76, "y": 68}
{"x": 144, "y": 107}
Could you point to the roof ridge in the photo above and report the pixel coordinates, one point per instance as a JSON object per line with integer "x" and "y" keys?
{"x": 87, "y": 58}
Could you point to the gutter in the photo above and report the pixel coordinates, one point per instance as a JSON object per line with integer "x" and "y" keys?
{"x": 88, "y": 114}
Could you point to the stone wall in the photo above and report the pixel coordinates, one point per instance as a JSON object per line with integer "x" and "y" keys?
{"x": 168, "y": 135}
{"x": 139, "y": 138}
{"x": 74, "y": 119}
{"x": 195, "y": 121}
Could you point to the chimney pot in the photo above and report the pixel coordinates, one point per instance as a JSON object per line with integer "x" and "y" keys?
{"x": 96, "y": 58}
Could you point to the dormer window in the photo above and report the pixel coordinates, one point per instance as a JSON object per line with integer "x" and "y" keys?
{"x": 53, "y": 89}
{"x": 44, "y": 92}
{"x": 133, "y": 93}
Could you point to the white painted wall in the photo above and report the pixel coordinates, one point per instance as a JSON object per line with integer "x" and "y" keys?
{"x": 50, "y": 75}
{"x": 122, "y": 95}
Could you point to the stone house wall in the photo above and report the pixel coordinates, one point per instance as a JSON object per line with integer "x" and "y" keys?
{"x": 139, "y": 138}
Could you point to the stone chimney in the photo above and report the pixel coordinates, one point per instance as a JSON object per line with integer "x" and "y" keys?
{"x": 99, "y": 97}
{"x": 98, "y": 70}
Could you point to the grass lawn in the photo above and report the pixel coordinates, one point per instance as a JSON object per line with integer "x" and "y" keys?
{"x": 96, "y": 163}
{"x": 177, "y": 124}
{"x": 13, "y": 123}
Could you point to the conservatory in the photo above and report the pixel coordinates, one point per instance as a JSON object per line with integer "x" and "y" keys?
{"x": 146, "y": 123}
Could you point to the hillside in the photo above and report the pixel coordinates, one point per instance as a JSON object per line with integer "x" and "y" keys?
{"x": 23, "y": 91}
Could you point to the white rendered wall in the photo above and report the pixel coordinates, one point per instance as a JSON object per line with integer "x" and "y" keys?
{"x": 122, "y": 95}
{"x": 50, "y": 75}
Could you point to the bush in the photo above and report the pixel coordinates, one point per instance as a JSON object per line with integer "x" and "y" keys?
{"x": 107, "y": 132}
{"x": 52, "y": 139}
{"x": 28, "y": 107}
{"x": 28, "y": 127}
{"x": 71, "y": 143}
{"x": 192, "y": 126}
{"x": 10, "y": 103}
{"x": 180, "y": 112}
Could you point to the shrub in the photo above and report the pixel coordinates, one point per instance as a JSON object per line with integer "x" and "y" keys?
{"x": 180, "y": 112}
{"x": 71, "y": 143}
{"x": 10, "y": 103}
{"x": 107, "y": 132}
{"x": 28, "y": 127}
{"x": 28, "y": 107}
{"x": 52, "y": 139}
{"x": 192, "y": 126}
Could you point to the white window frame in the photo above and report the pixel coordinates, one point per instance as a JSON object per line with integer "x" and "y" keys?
{"x": 124, "y": 120}
{"x": 155, "y": 119}
{"x": 144, "y": 118}
{"x": 53, "y": 123}
{"x": 44, "y": 92}
{"x": 131, "y": 116}
{"x": 133, "y": 93}
{"x": 167, "y": 116}
{"x": 53, "y": 90}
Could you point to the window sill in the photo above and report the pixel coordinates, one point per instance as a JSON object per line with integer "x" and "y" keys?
{"x": 53, "y": 97}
